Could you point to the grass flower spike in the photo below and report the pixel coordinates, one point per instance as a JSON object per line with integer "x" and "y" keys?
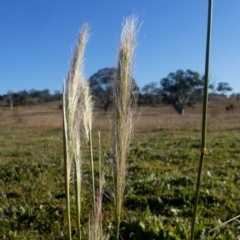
{"x": 72, "y": 125}
{"x": 123, "y": 104}
{"x": 86, "y": 106}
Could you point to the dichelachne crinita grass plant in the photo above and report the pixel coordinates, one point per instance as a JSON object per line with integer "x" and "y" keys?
{"x": 95, "y": 223}
{"x": 76, "y": 112}
{"x": 86, "y": 117}
{"x": 124, "y": 109}
{"x": 95, "y": 231}
{"x": 204, "y": 116}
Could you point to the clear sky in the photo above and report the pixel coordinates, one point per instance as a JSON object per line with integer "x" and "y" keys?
{"x": 37, "y": 38}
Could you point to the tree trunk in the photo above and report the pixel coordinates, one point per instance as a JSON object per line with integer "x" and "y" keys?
{"x": 11, "y": 105}
{"x": 180, "y": 110}
{"x": 107, "y": 104}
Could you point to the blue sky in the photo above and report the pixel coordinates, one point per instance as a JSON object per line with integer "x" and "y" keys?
{"x": 37, "y": 38}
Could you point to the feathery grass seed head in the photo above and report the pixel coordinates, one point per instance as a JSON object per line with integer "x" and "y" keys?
{"x": 123, "y": 101}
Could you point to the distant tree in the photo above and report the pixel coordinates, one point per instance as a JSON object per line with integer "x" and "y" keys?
{"x": 151, "y": 88}
{"x": 34, "y": 93}
{"x": 101, "y": 84}
{"x": 57, "y": 96}
{"x": 182, "y": 89}
{"x": 223, "y": 88}
{"x": 45, "y": 95}
{"x": 211, "y": 90}
{"x": 29, "y": 97}
{"x": 151, "y": 94}
{"x": 237, "y": 96}
{"x": 22, "y": 97}
{"x": 230, "y": 107}
{"x": 10, "y": 99}
{"x": 233, "y": 95}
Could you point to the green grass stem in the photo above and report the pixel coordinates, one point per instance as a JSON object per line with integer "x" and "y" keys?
{"x": 225, "y": 223}
{"x": 77, "y": 182}
{"x": 92, "y": 168}
{"x": 99, "y": 158}
{"x": 86, "y": 106}
{"x": 66, "y": 167}
{"x": 204, "y": 117}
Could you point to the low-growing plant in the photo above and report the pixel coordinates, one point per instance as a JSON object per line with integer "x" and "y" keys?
{"x": 159, "y": 195}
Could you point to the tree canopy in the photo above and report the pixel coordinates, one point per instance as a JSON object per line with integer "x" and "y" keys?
{"x": 101, "y": 84}
{"x": 223, "y": 88}
{"x": 23, "y": 98}
{"x": 182, "y": 89}
{"x": 150, "y": 94}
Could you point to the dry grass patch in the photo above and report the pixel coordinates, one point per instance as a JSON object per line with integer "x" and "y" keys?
{"x": 150, "y": 118}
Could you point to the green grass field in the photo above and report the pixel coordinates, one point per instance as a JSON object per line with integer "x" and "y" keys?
{"x": 161, "y": 177}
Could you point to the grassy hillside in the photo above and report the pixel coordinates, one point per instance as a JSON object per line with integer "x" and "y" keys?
{"x": 161, "y": 176}
{"x": 48, "y": 116}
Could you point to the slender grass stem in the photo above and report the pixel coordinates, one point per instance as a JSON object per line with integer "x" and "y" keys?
{"x": 86, "y": 110}
{"x": 89, "y": 228}
{"x": 204, "y": 117}
{"x": 96, "y": 230}
{"x": 92, "y": 168}
{"x": 225, "y": 223}
{"x": 66, "y": 167}
{"x": 99, "y": 159}
{"x": 100, "y": 180}
{"x": 78, "y": 195}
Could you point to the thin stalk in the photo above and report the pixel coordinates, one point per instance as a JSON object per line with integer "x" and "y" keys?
{"x": 204, "y": 117}
{"x": 92, "y": 167}
{"x": 225, "y": 223}
{"x": 96, "y": 228}
{"x": 99, "y": 159}
{"x": 66, "y": 167}
{"x": 89, "y": 228}
{"x": 87, "y": 108}
{"x": 100, "y": 179}
{"x": 78, "y": 195}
